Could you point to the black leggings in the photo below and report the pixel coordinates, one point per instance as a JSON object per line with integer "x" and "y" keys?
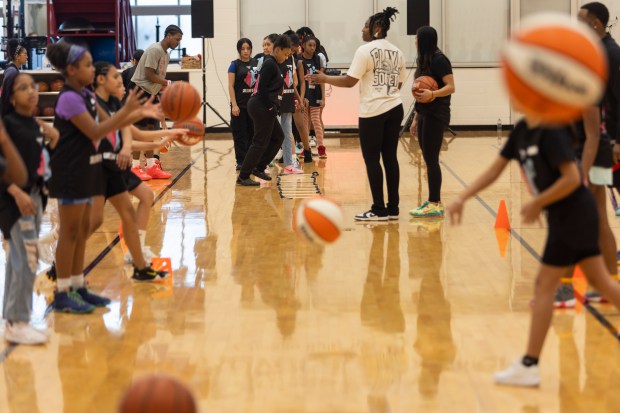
{"x": 242, "y": 131}
{"x": 379, "y": 139}
{"x": 268, "y": 137}
{"x": 430, "y": 136}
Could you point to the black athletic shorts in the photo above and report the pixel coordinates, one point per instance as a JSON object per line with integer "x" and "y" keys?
{"x": 114, "y": 183}
{"x": 573, "y": 232}
{"x": 131, "y": 180}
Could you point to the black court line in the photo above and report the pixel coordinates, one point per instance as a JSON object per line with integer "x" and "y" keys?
{"x": 597, "y": 315}
{"x": 116, "y": 240}
{"x": 106, "y": 250}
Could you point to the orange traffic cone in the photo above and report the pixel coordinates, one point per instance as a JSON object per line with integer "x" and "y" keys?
{"x": 502, "y": 216}
{"x": 502, "y": 235}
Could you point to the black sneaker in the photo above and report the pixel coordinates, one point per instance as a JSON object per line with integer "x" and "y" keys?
{"x": 51, "y": 273}
{"x": 260, "y": 174}
{"x": 148, "y": 274}
{"x": 307, "y": 155}
{"x": 370, "y": 216}
{"x": 247, "y": 182}
{"x": 93, "y": 299}
{"x": 393, "y": 214}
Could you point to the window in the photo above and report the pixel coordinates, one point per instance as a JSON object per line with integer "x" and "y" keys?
{"x": 486, "y": 22}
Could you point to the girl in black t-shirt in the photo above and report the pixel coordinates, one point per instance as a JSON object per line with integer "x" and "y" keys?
{"x": 76, "y": 168}
{"x": 548, "y": 162}
{"x": 432, "y": 118}
{"x": 116, "y": 149}
{"x": 18, "y": 56}
{"x": 313, "y": 94}
{"x": 241, "y": 80}
{"x": 263, "y": 107}
{"x": 21, "y": 208}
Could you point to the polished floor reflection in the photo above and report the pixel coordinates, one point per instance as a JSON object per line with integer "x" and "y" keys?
{"x": 406, "y": 316}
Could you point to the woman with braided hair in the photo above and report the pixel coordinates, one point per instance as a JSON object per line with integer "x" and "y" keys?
{"x": 379, "y": 66}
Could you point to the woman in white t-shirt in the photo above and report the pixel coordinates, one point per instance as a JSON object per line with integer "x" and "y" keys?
{"x": 379, "y": 66}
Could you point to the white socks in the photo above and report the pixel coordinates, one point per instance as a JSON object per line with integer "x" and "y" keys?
{"x": 74, "y": 281}
{"x": 150, "y": 162}
{"x": 63, "y": 284}
{"x": 135, "y": 163}
{"x": 77, "y": 281}
{"x": 142, "y": 235}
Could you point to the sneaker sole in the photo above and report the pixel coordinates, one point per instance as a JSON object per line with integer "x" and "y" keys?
{"x": 72, "y": 311}
{"x": 426, "y": 215}
{"x": 564, "y": 305}
{"x": 371, "y": 219}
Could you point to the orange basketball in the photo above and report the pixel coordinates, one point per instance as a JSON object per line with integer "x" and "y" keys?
{"x": 48, "y": 111}
{"x": 57, "y": 85}
{"x": 196, "y": 131}
{"x": 319, "y": 220}
{"x": 180, "y": 101}
{"x": 554, "y": 68}
{"x": 424, "y": 82}
{"x": 158, "y": 394}
{"x": 42, "y": 86}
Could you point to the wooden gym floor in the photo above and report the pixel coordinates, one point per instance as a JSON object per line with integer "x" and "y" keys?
{"x": 411, "y": 316}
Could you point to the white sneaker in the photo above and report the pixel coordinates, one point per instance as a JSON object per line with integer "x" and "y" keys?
{"x": 23, "y": 333}
{"x": 518, "y": 375}
{"x": 312, "y": 141}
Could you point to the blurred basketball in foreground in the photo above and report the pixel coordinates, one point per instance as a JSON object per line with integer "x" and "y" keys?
{"x": 319, "y": 220}
{"x": 554, "y": 68}
{"x": 180, "y": 101}
{"x": 158, "y": 394}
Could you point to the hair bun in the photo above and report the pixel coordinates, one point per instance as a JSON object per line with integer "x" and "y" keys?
{"x": 390, "y": 13}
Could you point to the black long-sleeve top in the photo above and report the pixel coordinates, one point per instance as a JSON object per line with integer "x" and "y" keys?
{"x": 270, "y": 83}
{"x": 611, "y": 101}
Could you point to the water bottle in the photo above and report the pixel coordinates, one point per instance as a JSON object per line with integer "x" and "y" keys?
{"x": 499, "y": 131}
{"x": 29, "y": 236}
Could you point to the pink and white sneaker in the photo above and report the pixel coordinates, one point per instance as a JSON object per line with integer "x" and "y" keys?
{"x": 291, "y": 170}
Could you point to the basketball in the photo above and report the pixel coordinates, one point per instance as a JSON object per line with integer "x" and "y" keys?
{"x": 158, "y": 394}
{"x": 319, "y": 220}
{"x": 554, "y": 68}
{"x": 196, "y": 131}
{"x": 42, "y": 86}
{"x": 180, "y": 101}
{"x": 48, "y": 111}
{"x": 424, "y": 82}
{"x": 57, "y": 85}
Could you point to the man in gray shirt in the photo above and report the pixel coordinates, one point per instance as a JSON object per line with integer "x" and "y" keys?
{"x": 150, "y": 76}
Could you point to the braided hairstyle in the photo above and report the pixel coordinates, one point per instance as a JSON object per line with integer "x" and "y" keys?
{"x": 382, "y": 19}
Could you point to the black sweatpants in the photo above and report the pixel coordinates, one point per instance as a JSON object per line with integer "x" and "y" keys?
{"x": 242, "y": 131}
{"x": 430, "y": 136}
{"x": 268, "y": 137}
{"x": 379, "y": 140}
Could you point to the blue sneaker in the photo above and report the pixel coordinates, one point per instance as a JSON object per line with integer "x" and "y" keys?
{"x": 94, "y": 299}
{"x": 71, "y": 302}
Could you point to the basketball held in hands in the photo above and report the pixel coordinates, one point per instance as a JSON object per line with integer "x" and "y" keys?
{"x": 195, "y": 134}
{"x": 421, "y": 83}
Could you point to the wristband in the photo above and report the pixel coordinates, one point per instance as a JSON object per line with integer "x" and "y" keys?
{"x": 169, "y": 82}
